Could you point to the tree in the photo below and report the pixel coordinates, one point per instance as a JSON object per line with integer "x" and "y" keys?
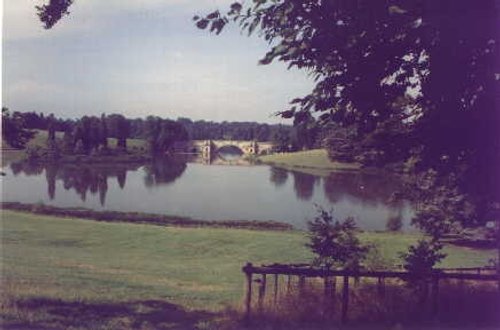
{"x": 153, "y": 128}
{"x": 103, "y": 132}
{"x": 419, "y": 261}
{"x": 163, "y": 133}
{"x": 413, "y": 79}
{"x": 119, "y": 128}
{"x": 68, "y": 141}
{"x": 13, "y": 129}
{"x": 335, "y": 243}
{"x": 281, "y": 140}
{"x": 422, "y": 257}
{"x": 51, "y": 130}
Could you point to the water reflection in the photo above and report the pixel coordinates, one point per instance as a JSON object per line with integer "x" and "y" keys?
{"x": 278, "y": 176}
{"x": 229, "y": 153}
{"x": 93, "y": 179}
{"x": 394, "y": 223}
{"x": 303, "y": 184}
{"x": 163, "y": 170}
{"x": 186, "y": 187}
{"x": 368, "y": 188}
{"x": 368, "y": 191}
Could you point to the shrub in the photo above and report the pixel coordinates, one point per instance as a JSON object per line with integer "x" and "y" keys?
{"x": 335, "y": 243}
{"x": 421, "y": 258}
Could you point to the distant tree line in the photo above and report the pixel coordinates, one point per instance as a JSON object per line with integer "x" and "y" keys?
{"x": 89, "y": 133}
{"x": 305, "y": 135}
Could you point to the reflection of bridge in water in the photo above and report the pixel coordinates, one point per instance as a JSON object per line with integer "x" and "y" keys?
{"x": 208, "y": 149}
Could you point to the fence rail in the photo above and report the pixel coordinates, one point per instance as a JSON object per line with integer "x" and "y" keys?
{"x": 303, "y": 271}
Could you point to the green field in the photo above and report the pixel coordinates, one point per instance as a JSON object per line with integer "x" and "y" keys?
{"x": 313, "y": 160}
{"x": 194, "y": 267}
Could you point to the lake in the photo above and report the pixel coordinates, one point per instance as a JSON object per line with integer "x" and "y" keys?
{"x": 216, "y": 191}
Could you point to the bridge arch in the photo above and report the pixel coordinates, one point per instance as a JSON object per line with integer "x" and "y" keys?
{"x": 230, "y": 148}
{"x": 229, "y": 152}
{"x": 211, "y": 147}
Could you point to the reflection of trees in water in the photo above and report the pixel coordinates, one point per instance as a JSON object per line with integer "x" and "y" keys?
{"x": 163, "y": 170}
{"x": 82, "y": 179}
{"x": 121, "y": 178}
{"x": 27, "y": 168}
{"x": 395, "y": 222}
{"x": 50, "y": 176}
{"x": 102, "y": 188}
{"x": 304, "y": 184}
{"x": 278, "y": 176}
{"x": 368, "y": 188}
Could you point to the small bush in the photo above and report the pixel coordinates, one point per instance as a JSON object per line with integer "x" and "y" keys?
{"x": 421, "y": 258}
{"x": 335, "y": 243}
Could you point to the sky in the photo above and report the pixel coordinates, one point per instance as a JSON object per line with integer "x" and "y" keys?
{"x": 140, "y": 58}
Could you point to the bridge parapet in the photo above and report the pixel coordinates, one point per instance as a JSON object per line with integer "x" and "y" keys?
{"x": 210, "y": 147}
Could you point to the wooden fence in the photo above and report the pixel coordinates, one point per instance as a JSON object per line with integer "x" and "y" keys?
{"x": 303, "y": 271}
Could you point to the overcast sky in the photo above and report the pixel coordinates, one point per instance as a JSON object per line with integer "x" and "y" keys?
{"x": 139, "y": 58}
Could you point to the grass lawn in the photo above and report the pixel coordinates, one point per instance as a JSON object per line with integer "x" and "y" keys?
{"x": 194, "y": 267}
{"x": 316, "y": 159}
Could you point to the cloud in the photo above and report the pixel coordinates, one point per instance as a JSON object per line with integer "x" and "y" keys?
{"x": 139, "y": 58}
{"x": 23, "y": 88}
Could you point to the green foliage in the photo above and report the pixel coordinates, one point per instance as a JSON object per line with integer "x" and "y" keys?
{"x": 335, "y": 243}
{"x": 442, "y": 207}
{"x": 13, "y": 129}
{"x": 163, "y": 133}
{"x": 422, "y": 257}
{"x": 281, "y": 140}
{"x": 119, "y": 128}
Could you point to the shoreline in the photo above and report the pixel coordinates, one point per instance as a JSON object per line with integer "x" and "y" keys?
{"x": 314, "y": 161}
{"x": 143, "y": 218}
{"x": 162, "y": 220}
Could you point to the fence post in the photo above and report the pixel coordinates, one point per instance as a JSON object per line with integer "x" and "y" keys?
{"x": 334, "y": 285}
{"x": 302, "y": 283}
{"x": 435, "y": 294}
{"x": 262, "y": 292}
{"x": 275, "y": 288}
{"x": 289, "y": 284}
{"x": 248, "y": 300}
{"x": 381, "y": 286}
{"x": 345, "y": 299}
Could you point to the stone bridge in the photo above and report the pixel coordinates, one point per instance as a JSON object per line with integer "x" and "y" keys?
{"x": 211, "y": 147}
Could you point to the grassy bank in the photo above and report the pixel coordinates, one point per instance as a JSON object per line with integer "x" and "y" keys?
{"x": 313, "y": 160}
{"x": 61, "y": 272}
{"x": 141, "y": 218}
